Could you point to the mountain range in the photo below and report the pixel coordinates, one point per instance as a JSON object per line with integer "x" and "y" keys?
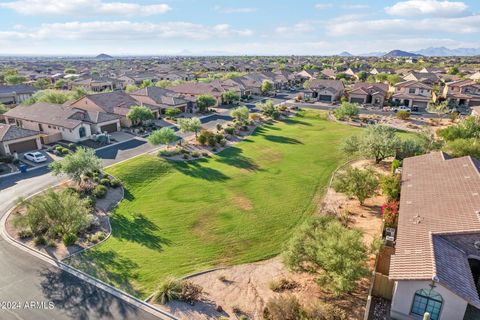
{"x": 428, "y": 52}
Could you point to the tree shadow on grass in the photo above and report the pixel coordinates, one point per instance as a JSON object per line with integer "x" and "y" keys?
{"x": 233, "y": 157}
{"x": 282, "y": 139}
{"x": 127, "y": 195}
{"x": 107, "y": 266}
{"x": 195, "y": 169}
{"x": 291, "y": 121}
{"x": 81, "y": 300}
{"x": 139, "y": 230}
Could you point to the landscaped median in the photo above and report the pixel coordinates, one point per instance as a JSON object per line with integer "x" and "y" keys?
{"x": 241, "y": 205}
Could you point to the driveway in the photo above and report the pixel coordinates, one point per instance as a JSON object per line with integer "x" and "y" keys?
{"x": 123, "y": 151}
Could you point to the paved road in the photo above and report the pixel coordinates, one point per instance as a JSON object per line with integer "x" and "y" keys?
{"x": 26, "y": 278}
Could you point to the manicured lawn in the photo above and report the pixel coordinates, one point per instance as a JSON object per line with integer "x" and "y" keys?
{"x": 239, "y": 206}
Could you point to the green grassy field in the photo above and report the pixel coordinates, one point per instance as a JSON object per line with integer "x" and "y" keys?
{"x": 239, "y": 206}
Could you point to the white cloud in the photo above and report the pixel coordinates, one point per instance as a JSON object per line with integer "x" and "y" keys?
{"x": 124, "y": 30}
{"x": 321, "y": 6}
{"x": 403, "y": 27}
{"x": 83, "y": 8}
{"x": 230, "y": 10}
{"x": 427, "y": 7}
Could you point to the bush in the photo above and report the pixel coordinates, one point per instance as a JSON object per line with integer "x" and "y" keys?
{"x": 99, "y": 191}
{"x": 390, "y": 213}
{"x": 195, "y": 154}
{"x": 283, "y": 308}
{"x": 205, "y": 154}
{"x": 202, "y": 139}
{"x": 219, "y": 137}
{"x": 464, "y": 147}
{"x": 346, "y": 110}
{"x": 282, "y": 285}
{"x": 390, "y": 186}
{"x": 322, "y": 311}
{"x": 395, "y": 165}
{"x": 223, "y": 142}
{"x": 40, "y": 241}
{"x": 72, "y": 146}
{"x": 186, "y": 156}
{"x": 97, "y": 237}
{"x": 105, "y": 182}
{"x": 65, "y": 151}
{"x": 168, "y": 153}
{"x": 357, "y": 183}
{"x": 51, "y": 243}
{"x": 90, "y": 201}
{"x": 69, "y": 239}
{"x": 24, "y": 234}
{"x": 96, "y": 179}
{"x": 115, "y": 183}
{"x": 59, "y": 148}
{"x": 409, "y": 148}
{"x": 6, "y": 159}
{"x": 403, "y": 115}
{"x": 229, "y": 130}
{"x": 191, "y": 292}
{"x": 174, "y": 289}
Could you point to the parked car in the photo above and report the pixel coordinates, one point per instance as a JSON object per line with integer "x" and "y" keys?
{"x": 36, "y": 157}
{"x": 402, "y": 108}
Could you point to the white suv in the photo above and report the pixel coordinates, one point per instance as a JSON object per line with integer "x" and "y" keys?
{"x": 36, "y": 157}
{"x": 402, "y": 108}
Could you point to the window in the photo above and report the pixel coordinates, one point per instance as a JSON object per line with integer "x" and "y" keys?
{"x": 427, "y": 300}
{"x": 411, "y": 90}
{"x": 82, "y": 132}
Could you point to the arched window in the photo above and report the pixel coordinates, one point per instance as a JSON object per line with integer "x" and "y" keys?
{"x": 427, "y": 300}
{"x": 82, "y": 132}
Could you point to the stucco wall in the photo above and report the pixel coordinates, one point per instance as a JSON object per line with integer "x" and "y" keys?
{"x": 453, "y": 307}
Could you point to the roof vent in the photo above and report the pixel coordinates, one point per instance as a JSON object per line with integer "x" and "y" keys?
{"x": 476, "y": 244}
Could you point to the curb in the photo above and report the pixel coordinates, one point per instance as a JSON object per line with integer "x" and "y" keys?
{"x": 82, "y": 275}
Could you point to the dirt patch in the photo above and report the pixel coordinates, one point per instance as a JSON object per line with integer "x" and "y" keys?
{"x": 242, "y": 202}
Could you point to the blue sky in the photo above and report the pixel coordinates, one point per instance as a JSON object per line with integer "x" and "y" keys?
{"x": 123, "y": 27}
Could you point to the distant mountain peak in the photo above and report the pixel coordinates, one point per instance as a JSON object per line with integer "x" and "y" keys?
{"x": 400, "y": 53}
{"x": 445, "y": 52}
{"x": 345, "y": 54}
{"x": 103, "y": 56}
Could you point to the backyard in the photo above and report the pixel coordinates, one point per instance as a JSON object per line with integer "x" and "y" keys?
{"x": 238, "y": 206}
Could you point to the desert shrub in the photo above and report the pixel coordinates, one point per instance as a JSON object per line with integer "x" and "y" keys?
{"x": 211, "y": 141}
{"x": 90, "y": 201}
{"x": 223, "y": 142}
{"x": 115, "y": 183}
{"x": 282, "y": 285}
{"x": 323, "y": 311}
{"x": 59, "y": 148}
{"x": 395, "y": 165}
{"x": 377, "y": 245}
{"x": 168, "y": 153}
{"x": 105, "y": 182}
{"x": 72, "y": 146}
{"x": 219, "y": 137}
{"x": 51, "y": 243}
{"x": 99, "y": 191}
{"x": 357, "y": 183}
{"x": 390, "y": 186}
{"x": 283, "y": 308}
{"x": 24, "y": 234}
{"x": 403, "y": 115}
{"x": 96, "y": 179}
{"x": 464, "y": 147}
{"x": 229, "y": 130}
{"x": 186, "y": 156}
{"x": 69, "y": 239}
{"x": 409, "y": 148}
{"x": 195, "y": 154}
{"x": 40, "y": 241}
{"x": 346, "y": 110}
{"x": 97, "y": 237}
{"x": 205, "y": 154}
{"x": 191, "y": 292}
{"x": 202, "y": 139}
{"x": 65, "y": 151}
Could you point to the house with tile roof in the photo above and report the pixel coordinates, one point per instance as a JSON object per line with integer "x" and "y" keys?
{"x": 368, "y": 93}
{"x": 325, "y": 90}
{"x": 462, "y": 93}
{"x": 436, "y": 265}
{"x": 15, "y": 94}
{"x": 413, "y": 94}
{"x": 14, "y": 139}
{"x": 165, "y": 98}
{"x": 59, "y": 122}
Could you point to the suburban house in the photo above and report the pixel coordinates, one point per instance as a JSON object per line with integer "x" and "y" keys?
{"x": 165, "y": 98}
{"x": 368, "y": 93}
{"x": 376, "y": 71}
{"x": 306, "y": 75}
{"x": 57, "y": 122}
{"x": 116, "y": 103}
{"x": 436, "y": 265}
{"x": 193, "y": 90}
{"x": 413, "y": 94}
{"x": 424, "y": 77}
{"x": 15, "y": 94}
{"x": 475, "y": 76}
{"x": 462, "y": 93}
{"x": 325, "y": 90}
{"x": 96, "y": 85}
{"x": 15, "y": 139}
{"x": 328, "y": 74}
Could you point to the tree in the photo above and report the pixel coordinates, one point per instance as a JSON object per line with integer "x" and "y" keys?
{"x": 307, "y": 84}
{"x": 50, "y": 96}
{"x": 393, "y": 79}
{"x": 346, "y": 110}
{"x": 268, "y": 109}
{"x": 428, "y": 141}
{"x": 453, "y": 71}
{"x": 205, "y": 101}
{"x": 130, "y": 88}
{"x": 162, "y": 136}
{"x": 362, "y": 76}
{"x": 390, "y": 186}
{"x": 60, "y": 84}
{"x": 336, "y": 254}
{"x": 190, "y": 125}
{"x": 3, "y": 108}
{"x": 146, "y": 83}
{"x": 357, "y": 183}
{"x": 377, "y": 142}
{"x": 240, "y": 114}
{"x": 138, "y": 114}
{"x": 172, "y": 112}
{"x": 77, "y": 164}
{"x": 266, "y": 87}
{"x": 70, "y": 71}
{"x": 61, "y": 213}
{"x": 409, "y": 148}
{"x": 15, "y": 79}
{"x": 41, "y": 84}
{"x": 230, "y": 96}
{"x": 438, "y": 108}
{"x": 163, "y": 84}
{"x": 464, "y": 147}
